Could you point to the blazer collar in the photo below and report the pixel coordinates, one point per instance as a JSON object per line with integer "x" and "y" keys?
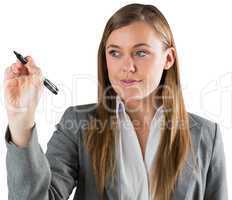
{"x": 184, "y": 180}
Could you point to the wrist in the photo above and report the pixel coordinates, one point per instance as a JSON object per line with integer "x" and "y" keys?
{"x": 24, "y": 125}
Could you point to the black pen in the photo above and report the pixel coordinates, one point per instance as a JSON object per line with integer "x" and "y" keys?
{"x": 46, "y": 82}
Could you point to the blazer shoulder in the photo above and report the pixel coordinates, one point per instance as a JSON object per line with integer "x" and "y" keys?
{"x": 204, "y": 131}
{"x": 85, "y": 110}
{"x": 199, "y": 121}
{"x": 79, "y": 110}
{"x": 73, "y": 116}
{"x": 85, "y": 107}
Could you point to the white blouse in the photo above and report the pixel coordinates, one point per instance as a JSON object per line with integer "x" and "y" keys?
{"x": 133, "y": 169}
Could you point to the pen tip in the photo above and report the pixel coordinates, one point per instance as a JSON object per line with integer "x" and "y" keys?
{"x": 15, "y": 53}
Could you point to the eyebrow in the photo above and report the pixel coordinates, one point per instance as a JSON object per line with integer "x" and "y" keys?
{"x": 136, "y": 45}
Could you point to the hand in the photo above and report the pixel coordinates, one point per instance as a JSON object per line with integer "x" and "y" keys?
{"x": 23, "y": 86}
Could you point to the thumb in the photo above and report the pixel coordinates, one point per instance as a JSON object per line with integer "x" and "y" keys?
{"x": 30, "y": 65}
{"x": 30, "y": 60}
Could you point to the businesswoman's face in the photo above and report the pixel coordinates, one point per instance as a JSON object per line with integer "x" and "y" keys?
{"x": 135, "y": 52}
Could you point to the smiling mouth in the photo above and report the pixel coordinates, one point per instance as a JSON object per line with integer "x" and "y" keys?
{"x": 127, "y": 83}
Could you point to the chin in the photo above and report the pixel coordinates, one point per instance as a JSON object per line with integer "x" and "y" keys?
{"x": 131, "y": 96}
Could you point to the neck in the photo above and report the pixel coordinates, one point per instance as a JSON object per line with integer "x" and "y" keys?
{"x": 142, "y": 111}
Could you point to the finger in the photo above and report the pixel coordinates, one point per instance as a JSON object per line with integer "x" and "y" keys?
{"x": 30, "y": 60}
{"x": 37, "y": 80}
{"x": 15, "y": 68}
{"x": 30, "y": 65}
{"x": 19, "y": 69}
{"x": 9, "y": 74}
{"x": 22, "y": 69}
{"x": 28, "y": 68}
{"x": 19, "y": 62}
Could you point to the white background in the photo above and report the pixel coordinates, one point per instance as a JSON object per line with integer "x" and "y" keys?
{"x": 63, "y": 38}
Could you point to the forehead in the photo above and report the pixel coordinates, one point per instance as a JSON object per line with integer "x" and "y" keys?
{"x": 137, "y": 32}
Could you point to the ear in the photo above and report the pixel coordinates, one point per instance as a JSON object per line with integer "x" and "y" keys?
{"x": 170, "y": 58}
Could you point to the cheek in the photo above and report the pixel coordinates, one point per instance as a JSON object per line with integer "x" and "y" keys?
{"x": 152, "y": 75}
{"x": 113, "y": 67}
{"x": 112, "y": 71}
{"x": 111, "y": 64}
{"x": 150, "y": 67}
{"x": 155, "y": 77}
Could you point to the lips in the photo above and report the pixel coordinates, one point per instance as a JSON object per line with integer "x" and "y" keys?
{"x": 129, "y": 82}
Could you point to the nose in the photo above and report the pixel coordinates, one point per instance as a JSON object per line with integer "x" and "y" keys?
{"x": 129, "y": 65}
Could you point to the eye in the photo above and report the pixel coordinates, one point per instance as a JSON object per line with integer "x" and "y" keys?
{"x": 141, "y": 53}
{"x": 112, "y": 53}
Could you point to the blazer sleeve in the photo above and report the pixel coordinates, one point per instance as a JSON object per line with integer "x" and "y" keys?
{"x": 31, "y": 174}
{"x": 216, "y": 184}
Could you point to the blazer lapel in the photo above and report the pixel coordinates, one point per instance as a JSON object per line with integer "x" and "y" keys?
{"x": 187, "y": 177}
{"x": 184, "y": 180}
{"x": 112, "y": 190}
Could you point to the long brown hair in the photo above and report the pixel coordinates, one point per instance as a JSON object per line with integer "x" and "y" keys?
{"x": 175, "y": 139}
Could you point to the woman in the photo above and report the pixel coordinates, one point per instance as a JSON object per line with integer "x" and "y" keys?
{"x": 137, "y": 142}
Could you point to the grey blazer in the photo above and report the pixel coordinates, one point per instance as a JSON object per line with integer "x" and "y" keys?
{"x": 33, "y": 175}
